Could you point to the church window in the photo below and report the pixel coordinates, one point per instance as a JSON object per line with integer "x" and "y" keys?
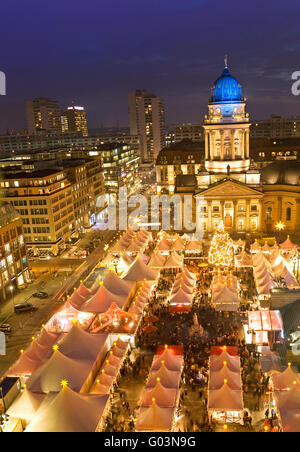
{"x": 288, "y": 214}
{"x": 269, "y": 213}
{"x": 216, "y": 209}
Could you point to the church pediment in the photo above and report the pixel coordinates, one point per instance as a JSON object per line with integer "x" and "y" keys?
{"x": 230, "y": 188}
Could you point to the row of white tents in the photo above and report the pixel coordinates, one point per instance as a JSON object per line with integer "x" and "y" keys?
{"x": 161, "y": 397}
{"x": 160, "y": 260}
{"x": 132, "y": 242}
{"x": 183, "y": 289}
{"x": 224, "y": 293}
{"x": 267, "y": 269}
{"x": 179, "y": 244}
{"x": 225, "y": 395}
{"x": 286, "y": 390}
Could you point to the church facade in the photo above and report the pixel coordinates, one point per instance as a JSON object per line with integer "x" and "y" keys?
{"x": 226, "y": 184}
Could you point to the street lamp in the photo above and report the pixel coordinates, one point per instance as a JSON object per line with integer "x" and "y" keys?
{"x": 11, "y": 288}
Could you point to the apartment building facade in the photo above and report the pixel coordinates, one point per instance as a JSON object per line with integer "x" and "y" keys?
{"x": 14, "y": 272}
{"x": 54, "y": 202}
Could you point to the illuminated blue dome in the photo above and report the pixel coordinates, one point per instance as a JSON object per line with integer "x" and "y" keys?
{"x": 226, "y": 89}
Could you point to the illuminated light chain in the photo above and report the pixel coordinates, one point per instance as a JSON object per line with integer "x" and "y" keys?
{"x": 221, "y": 250}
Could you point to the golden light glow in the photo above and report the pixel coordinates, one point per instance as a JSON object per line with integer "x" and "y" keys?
{"x": 280, "y": 226}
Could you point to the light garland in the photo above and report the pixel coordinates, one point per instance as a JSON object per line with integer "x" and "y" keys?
{"x": 221, "y": 250}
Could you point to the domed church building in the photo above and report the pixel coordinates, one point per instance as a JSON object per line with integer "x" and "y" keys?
{"x": 227, "y": 185}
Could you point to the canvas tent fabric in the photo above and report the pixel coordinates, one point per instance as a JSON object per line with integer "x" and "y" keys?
{"x": 140, "y": 272}
{"x": 155, "y": 419}
{"x": 181, "y": 297}
{"x": 217, "y": 362}
{"x": 23, "y": 367}
{"x": 216, "y": 379}
{"x": 286, "y": 380}
{"x": 113, "y": 283}
{"x": 171, "y": 361}
{"x": 164, "y": 397}
{"x": 48, "y": 376}
{"x": 174, "y": 261}
{"x": 81, "y": 345}
{"x": 168, "y": 378}
{"x": 70, "y": 412}
{"x": 225, "y": 399}
{"x": 157, "y": 261}
{"x": 25, "y": 406}
{"x": 46, "y": 338}
{"x": 84, "y": 291}
{"x": 76, "y": 300}
{"x": 102, "y": 301}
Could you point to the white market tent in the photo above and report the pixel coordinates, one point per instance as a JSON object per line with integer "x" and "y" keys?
{"x": 48, "y": 376}
{"x": 70, "y": 412}
{"x": 23, "y": 367}
{"x": 157, "y": 261}
{"x": 102, "y": 301}
{"x": 164, "y": 397}
{"x": 113, "y": 283}
{"x": 81, "y": 345}
{"x": 174, "y": 261}
{"x": 286, "y": 380}
{"x": 171, "y": 361}
{"x": 216, "y": 379}
{"x": 25, "y": 406}
{"x": 155, "y": 419}
{"x": 140, "y": 272}
{"x": 84, "y": 291}
{"x": 168, "y": 378}
{"x": 181, "y": 297}
{"x": 216, "y": 363}
{"x": 225, "y": 399}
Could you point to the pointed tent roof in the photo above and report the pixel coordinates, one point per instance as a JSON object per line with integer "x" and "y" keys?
{"x": 217, "y": 362}
{"x": 155, "y": 419}
{"x": 288, "y": 400}
{"x": 225, "y": 399}
{"x": 70, "y": 412}
{"x": 290, "y": 421}
{"x": 178, "y": 245}
{"x": 102, "y": 301}
{"x": 226, "y": 296}
{"x": 164, "y": 245}
{"x": 189, "y": 274}
{"x": 181, "y": 297}
{"x": 168, "y": 378}
{"x": 244, "y": 259}
{"x": 182, "y": 285}
{"x": 47, "y": 339}
{"x": 26, "y": 405}
{"x": 76, "y": 300}
{"x": 216, "y": 379}
{"x": 286, "y": 379}
{"x": 185, "y": 279}
{"x": 171, "y": 361}
{"x": 140, "y": 272}
{"x": 84, "y": 291}
{"x": 288, "y": 244}
{"x": 163, "y": 397}
{"x": 157, "y": 261}
{"x": 193, "y": 246}
{"x": 174, "y": 261}
{"x": 24, "y": 366}
{"x": 48, "y": 376}
{"x": 81, "y": 345}
{"x": 255, "y": 246}
{"x": 117, "y": 285}
{"x": 37, "y": 352}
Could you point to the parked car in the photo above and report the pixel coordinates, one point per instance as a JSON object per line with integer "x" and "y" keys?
{"x": 24, "y": 307}
{"x": 5, "y": 328}
{"x": 40, "y": 295}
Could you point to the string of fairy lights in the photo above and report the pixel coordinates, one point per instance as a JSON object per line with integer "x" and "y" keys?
{"x": 221, "y": 249}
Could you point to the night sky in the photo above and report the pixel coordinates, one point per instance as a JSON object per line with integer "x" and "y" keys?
{"x": 96, "y": 51}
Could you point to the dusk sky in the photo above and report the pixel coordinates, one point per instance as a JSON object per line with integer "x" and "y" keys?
{"x": 96, "y": 51}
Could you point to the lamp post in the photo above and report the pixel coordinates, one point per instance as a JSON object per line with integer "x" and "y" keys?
{"x": 11, "y": 288}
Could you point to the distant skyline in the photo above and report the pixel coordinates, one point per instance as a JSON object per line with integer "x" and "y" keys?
{"x": 96, "y": 52}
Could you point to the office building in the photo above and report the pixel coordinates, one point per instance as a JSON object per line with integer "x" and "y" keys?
{"x": 43, "y": 114}
{"x": 147, "y": 120}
